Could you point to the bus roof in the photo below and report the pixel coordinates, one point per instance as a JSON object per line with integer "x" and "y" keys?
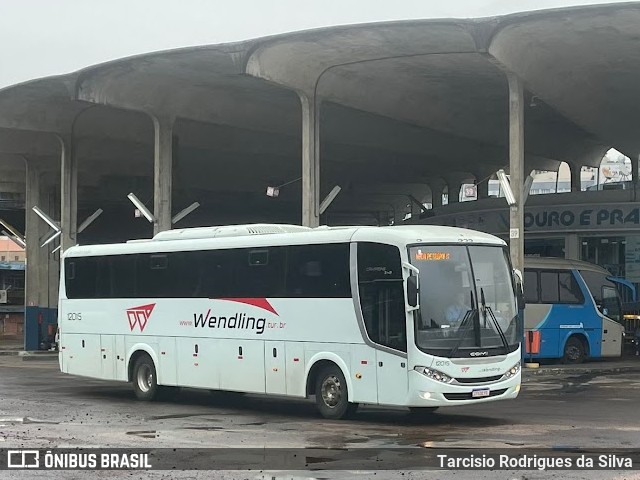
{"x": 263, "y": 235}
{"x": 562, "y": 263}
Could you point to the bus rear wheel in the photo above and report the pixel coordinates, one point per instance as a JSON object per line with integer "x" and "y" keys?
{"x": 574, "y": 351}
{"x": 332, "y": 398}
{"x": 144, "y": 379}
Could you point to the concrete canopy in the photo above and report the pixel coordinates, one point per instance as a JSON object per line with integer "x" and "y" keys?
{"x": 403, "y": 104}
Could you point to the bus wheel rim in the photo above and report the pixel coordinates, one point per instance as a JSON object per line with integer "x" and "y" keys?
{"x": 573, "y": 352}
{"x": 331, "y": 391}
{"x": 145, "y": 378}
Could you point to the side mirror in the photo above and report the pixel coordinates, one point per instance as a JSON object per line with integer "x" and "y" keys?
{"x": 412, "y": 291}
{"x": 520, "y": 297}
{"x": 519, "y": 281}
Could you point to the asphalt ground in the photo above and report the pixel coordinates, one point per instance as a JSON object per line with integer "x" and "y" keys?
{"x": 594, "y": 408}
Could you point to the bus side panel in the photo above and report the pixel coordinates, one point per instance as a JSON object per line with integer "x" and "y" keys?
{"x": 558, "y": 322}
{"x": 296, "y": 385}
{"x": 241, "y": 365}
{"x": 275, "y": 372}
{"x": 364, "y": 377}
{"x": 197, "y": 363}
{"x": 580, "y": 320}
{"x": 168, "y": 359}
{"x": 121, "y": 359}
{"x": 536, "y": 316}
{"x": 108, "y": 356}
{"x": 82, "y": 354}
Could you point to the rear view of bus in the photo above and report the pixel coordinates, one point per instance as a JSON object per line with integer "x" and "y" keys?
{"x": 466, "y": 331}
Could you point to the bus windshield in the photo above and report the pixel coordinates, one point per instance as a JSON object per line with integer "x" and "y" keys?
{"x": 467, "y": 301}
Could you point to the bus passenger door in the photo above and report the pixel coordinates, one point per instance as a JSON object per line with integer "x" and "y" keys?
{"x": 611, "y": 338}
{"x": 392, "y": 378}
{"x": 612, "y": 330}
{"x": 274, "y": 368}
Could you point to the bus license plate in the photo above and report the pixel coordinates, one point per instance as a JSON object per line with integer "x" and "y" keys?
{"x": 481, "y": 392}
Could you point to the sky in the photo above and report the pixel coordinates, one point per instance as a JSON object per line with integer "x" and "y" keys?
{"x": 47, "y": 37}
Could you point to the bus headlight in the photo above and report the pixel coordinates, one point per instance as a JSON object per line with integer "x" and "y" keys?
{"x": 433, "y": 374}
{"x": 513, "y": 370}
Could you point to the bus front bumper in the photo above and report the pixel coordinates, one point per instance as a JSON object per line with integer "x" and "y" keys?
{"x": 425, "y": 392}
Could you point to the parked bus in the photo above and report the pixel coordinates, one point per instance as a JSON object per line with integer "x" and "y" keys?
{"x": 573, "y": 311}
{"x": 415, "y": 316}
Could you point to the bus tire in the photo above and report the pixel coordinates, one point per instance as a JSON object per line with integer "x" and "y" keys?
{"x": 332, "y": 396}
{"x": 144, "y": 378}
{"x": 574, "y": 350}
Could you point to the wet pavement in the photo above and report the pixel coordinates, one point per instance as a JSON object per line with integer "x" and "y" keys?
{"x": 42, "y": 408}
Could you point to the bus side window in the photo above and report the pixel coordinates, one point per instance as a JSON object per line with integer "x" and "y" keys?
{"x": 70, "y": 270}
{"x": 83, "y": 283}
{"x": 258, "y": 258}
{"x": 318, "y": 271}
{"x": 549, "y": 289}
{"x": 531, "y": 287}
{"x": 258, "y": 272}
{"x": 559, "y": 287}
{"x": 569, "y": 288}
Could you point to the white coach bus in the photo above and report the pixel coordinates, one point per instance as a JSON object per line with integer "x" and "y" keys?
{"x": 415, "y": 316}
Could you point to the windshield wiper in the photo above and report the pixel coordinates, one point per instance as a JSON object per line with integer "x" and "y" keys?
{"x": 486, "y": 309}
{"x": 465, "y": 323}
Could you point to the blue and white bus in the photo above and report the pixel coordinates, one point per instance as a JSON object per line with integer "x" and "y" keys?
{"x": 573, "y": 311}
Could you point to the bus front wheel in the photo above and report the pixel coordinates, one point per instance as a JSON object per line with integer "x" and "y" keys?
{"x": 144, "y": 379}
{"x": 574, "y": 351}
{"x": 332, "y": 398}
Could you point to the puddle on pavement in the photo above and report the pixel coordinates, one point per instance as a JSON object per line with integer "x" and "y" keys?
{"x": 144, "y": 433}
{"x": 26, "y": 420}
{"x": 202, "y": 428}
{"x": 407, "y": 431}
{"x": 181, "y": 415}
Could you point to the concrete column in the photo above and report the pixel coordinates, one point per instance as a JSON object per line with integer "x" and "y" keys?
{"x": 516, "y": 169}
{"x": 33, "y": 231}
{"x": 68, "y": 192}
{"x": 42, "y": 268}
{"x": 572, "y": 246}
{"x": 310, "y": 161}
{"x": 576, "y": 182}
{"x": 162, "y": 172}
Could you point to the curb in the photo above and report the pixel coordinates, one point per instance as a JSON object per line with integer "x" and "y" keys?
{"x": 38, "y": 354}
{"x": 579, "y": 371}
{"x": 43, "y": 355}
